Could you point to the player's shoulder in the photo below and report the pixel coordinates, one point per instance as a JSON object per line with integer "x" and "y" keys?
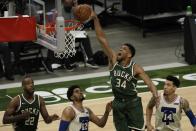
{"x": 16, "y": 97}
{"x": 88, "y": 109}
{"x": 183, "y": 101}
{"x": 15, "y": 100}
{"x": 39, "y": 97}
{"x": 138, "y": 70}
{"x": 40, "y": 100}
{"x": 69, "y": 111}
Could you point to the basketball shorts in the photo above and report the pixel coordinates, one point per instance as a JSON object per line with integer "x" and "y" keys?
{"x": 128, "y": 114}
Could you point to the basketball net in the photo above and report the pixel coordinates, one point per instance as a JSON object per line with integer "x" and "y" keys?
{"x": 68, "y": 48}
{"x": 69, "y": 45}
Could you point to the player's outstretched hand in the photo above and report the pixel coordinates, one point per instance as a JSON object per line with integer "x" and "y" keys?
{"x": 194, "y": 128}
{"x": 109, "y": 106}
{"x": 55, "y": 117}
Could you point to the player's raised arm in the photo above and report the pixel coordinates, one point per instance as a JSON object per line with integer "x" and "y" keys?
{"x": 139, "y": 71}
{"x": 101, "y": 121}
{"x": 102, "y": 39}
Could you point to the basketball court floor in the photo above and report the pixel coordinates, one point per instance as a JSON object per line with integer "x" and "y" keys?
{"x": 95, "y": 106}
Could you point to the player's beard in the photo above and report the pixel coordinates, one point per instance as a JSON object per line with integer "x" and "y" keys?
{"x": 79, "y": 98}
{"x": 29, "y": 92}
{"x": 165, "y": 93}
{"x": 119, "y": 59}
{"x": 82, "y": 98}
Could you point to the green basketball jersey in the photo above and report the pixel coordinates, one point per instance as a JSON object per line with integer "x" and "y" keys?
{"x": 33, "y": 108}
{"x": 123, "y": 82}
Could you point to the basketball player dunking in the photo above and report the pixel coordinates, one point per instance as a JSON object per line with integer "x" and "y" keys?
{"x": 127, "y": 106}
{"x": 168, "y": 113}
{"x": 23, "y": 110}
{"x": 76, "y": 117}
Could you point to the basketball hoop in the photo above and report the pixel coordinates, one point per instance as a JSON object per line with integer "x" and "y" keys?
{"x": 69, "y": 43}
{"x": 72, "y": 25}
{"x": 69, "y": 47}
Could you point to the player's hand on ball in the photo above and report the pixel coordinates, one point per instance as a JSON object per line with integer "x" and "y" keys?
{"x": 82, "y": 12}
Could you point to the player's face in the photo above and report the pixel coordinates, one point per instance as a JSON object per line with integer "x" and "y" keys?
{"x": 78, "y": 95}
{"x": 123, "y": 53}
{"x": 68, "y": 3}
{"x": 169, "y": 88}
{"x": 28, "y": 86}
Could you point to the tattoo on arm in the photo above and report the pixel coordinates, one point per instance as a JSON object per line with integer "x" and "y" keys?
{"x": 185, "y": 104}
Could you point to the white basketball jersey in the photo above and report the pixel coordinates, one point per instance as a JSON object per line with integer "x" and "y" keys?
{"x": 168, "y": 115}
{"x": 81, "y": 120}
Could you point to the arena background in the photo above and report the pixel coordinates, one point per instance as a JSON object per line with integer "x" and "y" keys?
{"x": 162, "y": 47}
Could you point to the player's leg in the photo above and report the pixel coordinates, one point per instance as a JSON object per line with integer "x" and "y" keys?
{"x": 119, "y": 117}
{"x": 135, "y": 114}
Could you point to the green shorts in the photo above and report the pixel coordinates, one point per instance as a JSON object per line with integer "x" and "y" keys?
{"x": 128, "y": 114}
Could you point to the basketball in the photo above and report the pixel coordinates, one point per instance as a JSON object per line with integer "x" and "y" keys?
{"x": 82, "y": 12}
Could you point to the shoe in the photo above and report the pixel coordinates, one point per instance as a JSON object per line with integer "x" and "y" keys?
{"x": 70, "y": 68}
{"x": 49, "y": 68}
{"x": 10, "y": 77}
{"x": 92, "y": 64}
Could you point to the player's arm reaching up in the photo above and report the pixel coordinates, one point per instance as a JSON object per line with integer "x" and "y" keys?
{"x": 103, "y": 40}
{"x": 101, "y": 121}
{"x": 185, "y": 106}
{"x": 139, "y": 72}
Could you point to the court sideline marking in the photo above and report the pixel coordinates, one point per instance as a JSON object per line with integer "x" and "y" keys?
{"x": 86, "y": 76}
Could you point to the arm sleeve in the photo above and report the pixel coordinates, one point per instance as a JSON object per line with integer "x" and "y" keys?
{"x": 63, "y": 125}
{"x": 191, "y": 117}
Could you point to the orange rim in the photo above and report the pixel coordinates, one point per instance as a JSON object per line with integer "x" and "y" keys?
{"x": 51, "y": 27}
{"x": 75, "y": 25}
